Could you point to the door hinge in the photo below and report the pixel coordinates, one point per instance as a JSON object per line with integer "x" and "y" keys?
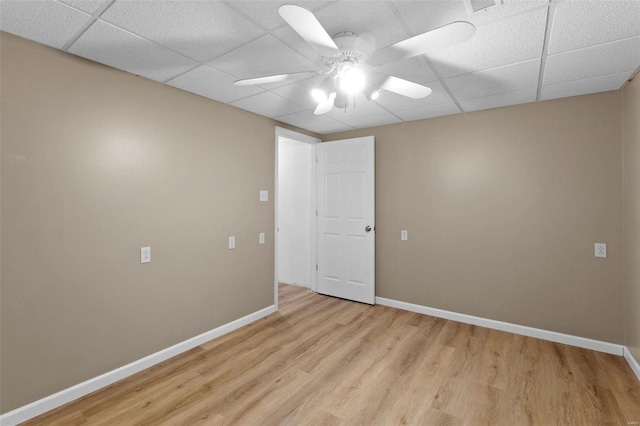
{"x": 316, "y": 266}
{"x": 316, "y": 158}
{"x": 316, "y": 213}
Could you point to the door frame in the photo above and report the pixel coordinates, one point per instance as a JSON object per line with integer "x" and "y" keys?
{"x": 282, "y": 133}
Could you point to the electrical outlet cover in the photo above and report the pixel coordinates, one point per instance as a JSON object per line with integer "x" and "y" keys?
{"x": 145, "y": 254}
{"x": 601, "y": 250}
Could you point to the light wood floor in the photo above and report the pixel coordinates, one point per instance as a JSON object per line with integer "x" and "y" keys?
{"x": 325, "y": 361}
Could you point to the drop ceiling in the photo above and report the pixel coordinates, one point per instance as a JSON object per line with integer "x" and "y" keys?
{"x": 523, "y": 50}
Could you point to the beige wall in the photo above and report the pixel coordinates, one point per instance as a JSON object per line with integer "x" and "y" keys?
{"x": 631, "y": 167}
{"x": 502, "y": 208}
{"x": 97, "y": 163}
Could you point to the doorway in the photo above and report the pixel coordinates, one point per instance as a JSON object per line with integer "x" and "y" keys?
{"x": 295, "y": 210}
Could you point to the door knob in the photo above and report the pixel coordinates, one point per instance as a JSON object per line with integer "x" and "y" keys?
{"x": 367, "y": 228}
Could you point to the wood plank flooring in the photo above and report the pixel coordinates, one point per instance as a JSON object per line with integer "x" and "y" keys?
{"x": 327, "y": 361}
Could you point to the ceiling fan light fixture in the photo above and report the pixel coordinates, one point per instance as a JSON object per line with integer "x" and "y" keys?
{"x": 318, "y": 95}
{"x": 372, "y": 92}
{"x": 325, "y": 107}
{"x": 341, "y": 101}
{"x": 347, "y": 59}
{"x": 352, "y": 80}
{"x": 322, "y": 93}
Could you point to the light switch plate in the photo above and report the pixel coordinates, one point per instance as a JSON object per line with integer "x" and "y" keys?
{"x": 264, "y": 195}
{"x": 601, "y": 250}
{"x": 145, "y": 254}
{"x": 232, "y": 243}
{"x": 261, "y": 238}
{"x": 404, "y": 235}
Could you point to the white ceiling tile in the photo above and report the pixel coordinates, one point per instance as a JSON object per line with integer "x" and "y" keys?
{"x": 428, "y": 112}
{"x": 211, "y": 83}
{"x": 586, "y": 86}
{"x": 372, "y": 121}
{"x": 46, "y": 22}
{"x": 262, "y": 57}
{"x": 289, "y": 37}
{"x": 89, "y": 6}
{"x": 578, "y": 24}
{"x": 267, "y": 104}
{"x": 423, "y": 16}
{"x": 299, "y": 92}
{"x": 201, "y": 30}
{"x": 508, "y": 9}
{"x": 505, "y": 79}
{"x": 112, "y": 46}
{"x": 372, "y": 19}
{"x": 265, "y": 13}
{"x": 316, "y": 123}
{"x": 414, "y": 69}
{"x": 500, "y": 100}
{"x": 394, "y": 102}
{"x": 500, "y": 43}
{"x": 603, "y": 59}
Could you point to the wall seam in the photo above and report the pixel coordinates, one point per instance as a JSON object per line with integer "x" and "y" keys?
{"x": 624, "y": 250}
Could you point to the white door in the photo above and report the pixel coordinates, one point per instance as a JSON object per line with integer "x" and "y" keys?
{"x": 346, "y": 203}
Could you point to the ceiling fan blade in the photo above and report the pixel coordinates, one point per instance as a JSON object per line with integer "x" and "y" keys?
{"x": 425, "y": 43}
{"x": 273, "y": 78}
{"x": 309, "y": 28}
{"x": 325, "y": 107}
{"x": 406, "y": 88}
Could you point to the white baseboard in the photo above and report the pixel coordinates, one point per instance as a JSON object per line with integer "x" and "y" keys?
{"x": 633, "y": 363}
{"x": 596, "y": 345}
{"x": 294, "y": 284}
{"x": 65, "y": 396}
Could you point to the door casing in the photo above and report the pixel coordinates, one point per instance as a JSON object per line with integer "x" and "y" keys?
{"x": 282, "y": 133}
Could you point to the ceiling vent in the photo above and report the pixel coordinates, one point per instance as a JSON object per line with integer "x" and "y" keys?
{"x": 474, "y": 6}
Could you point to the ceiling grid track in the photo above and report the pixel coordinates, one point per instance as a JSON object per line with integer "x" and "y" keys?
{"x": 90, "y": 22}
{"x": 433, "y": 68}
{"x": 266, "y": 32}
{"x": 409, "y": 33}
{"x": 96, "y": 15}
{"x": 395, "y": 12}
{"x": 389, "y": 111}
{"x": 207, "y": 61}
{"x": 444, "y": 84}
{"x": 257, "y": 23}
{"x": 545, "y": 48}
{"x": 524, "y": 12}
{"x": 198, "y": 65}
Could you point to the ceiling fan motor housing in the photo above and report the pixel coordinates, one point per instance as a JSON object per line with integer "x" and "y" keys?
{"x": 352, "y": 48}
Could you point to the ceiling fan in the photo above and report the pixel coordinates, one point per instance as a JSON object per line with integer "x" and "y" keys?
{"x": 347, "y": 61}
